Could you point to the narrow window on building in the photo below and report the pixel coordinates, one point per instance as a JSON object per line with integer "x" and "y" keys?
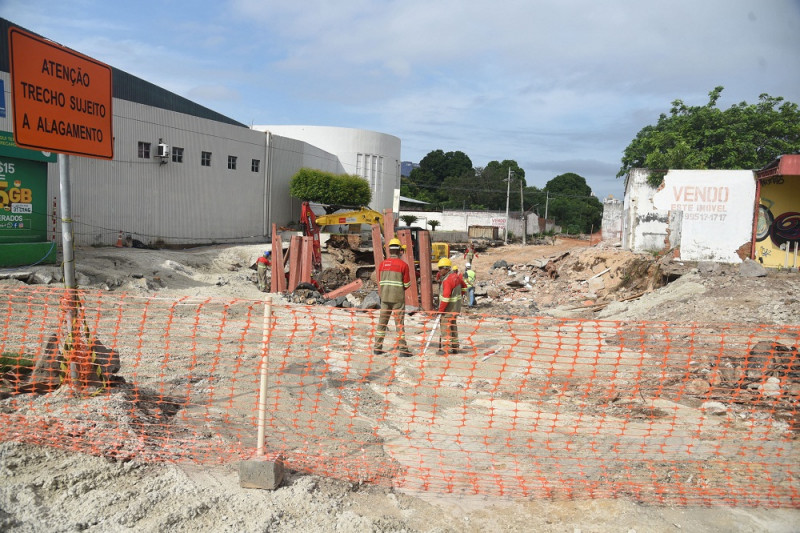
{"x": 144, "y": 150}
{"x": 255, "y": 164}
{"x": 359, "y": 168}
{"x": 205, "y": 159}
{"x": 231, "y": 162}
{"x": 177, "y": 154}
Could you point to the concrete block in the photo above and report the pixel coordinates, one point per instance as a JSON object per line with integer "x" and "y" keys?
{"x": 261, "y": 473}
{"x": 752, "y": 269}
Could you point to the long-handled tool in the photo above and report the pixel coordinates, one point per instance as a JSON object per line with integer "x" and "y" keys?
{"x": 433, "y": 332}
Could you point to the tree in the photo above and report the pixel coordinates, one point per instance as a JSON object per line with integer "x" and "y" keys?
{"x": 449, "y": 180}
{"x": 492, "y": 189}
{"x": 426, "y": 182}
{"x": 433, "y": 224}
{"x": 705, "y": 137}
{"x": 572, "y": 205}
{"x": 484, "y": 187}
{"x": 409, "y": 219}
{"x": 313, "y": 185}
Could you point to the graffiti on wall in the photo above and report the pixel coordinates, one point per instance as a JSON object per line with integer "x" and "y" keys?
{"x": 778, "y": 225}
{"x": 765, "y": 219}
{"x": 786, "y": 228}
{"x": 780, "y": 229}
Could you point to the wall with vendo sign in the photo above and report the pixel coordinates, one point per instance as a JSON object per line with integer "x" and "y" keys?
{"x": 703, "y": 215}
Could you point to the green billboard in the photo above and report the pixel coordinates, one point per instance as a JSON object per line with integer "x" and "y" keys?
{"x": 23, "y": 200}
{"x": 23, "y": 205}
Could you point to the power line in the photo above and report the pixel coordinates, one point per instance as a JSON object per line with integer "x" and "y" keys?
{"x": 498, "y": 191}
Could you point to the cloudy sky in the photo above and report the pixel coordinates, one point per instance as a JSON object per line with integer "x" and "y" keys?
{"x": 557, "y": 85}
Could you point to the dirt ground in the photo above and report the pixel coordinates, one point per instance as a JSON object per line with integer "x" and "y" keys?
{"x": 45, "y": 489}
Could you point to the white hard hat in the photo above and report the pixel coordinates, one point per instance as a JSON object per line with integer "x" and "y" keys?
{"x": 468, "y": 265}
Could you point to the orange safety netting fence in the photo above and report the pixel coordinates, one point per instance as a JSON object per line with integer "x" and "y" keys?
{"x": 533, "y": 407}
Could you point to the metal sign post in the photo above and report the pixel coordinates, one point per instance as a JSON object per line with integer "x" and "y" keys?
{"x": 62, "y": 102}
{"x": 66, "y": 222}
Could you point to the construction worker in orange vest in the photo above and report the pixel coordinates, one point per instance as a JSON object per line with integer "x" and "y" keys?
{"x": 451, "y": 288}
{"x": 394, "y": 279}
{"x": 262, "y": 264}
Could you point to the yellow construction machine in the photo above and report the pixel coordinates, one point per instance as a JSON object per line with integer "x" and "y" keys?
{"x": 313, "y": 223}
{"x": 438, "y": 249}
{"x": 367, "y": 216}
{"x": 364, "y": 215}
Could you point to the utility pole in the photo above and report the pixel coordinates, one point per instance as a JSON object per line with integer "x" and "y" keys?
{"x": 546, "y": 204}
{"x": 508, "y": 197}
{"x": 522, "y": 215}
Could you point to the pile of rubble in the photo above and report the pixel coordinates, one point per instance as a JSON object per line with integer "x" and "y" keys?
{"x": 588, "y": 277}
{"x": 768, "y": 374}
{"x": 761, "y": 382}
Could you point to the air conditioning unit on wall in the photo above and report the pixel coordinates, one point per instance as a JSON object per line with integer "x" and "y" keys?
{"x": 163, "y": 150}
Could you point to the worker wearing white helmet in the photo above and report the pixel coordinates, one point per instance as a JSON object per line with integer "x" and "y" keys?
{"x": 470, "y": 281}
{"x": 394, "y": 278}
{"x": 262, "y": 264}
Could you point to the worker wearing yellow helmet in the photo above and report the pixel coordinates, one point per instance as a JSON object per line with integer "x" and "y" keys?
{"x": 394, "y": 278}
{"x": 396, "y": 244}
{"x": 450, "y": 290}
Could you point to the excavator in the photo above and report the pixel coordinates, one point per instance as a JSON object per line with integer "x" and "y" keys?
{"x": 312, "y": 223}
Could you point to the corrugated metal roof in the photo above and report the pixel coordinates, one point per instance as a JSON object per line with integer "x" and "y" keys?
{"x": 783, "y": 165}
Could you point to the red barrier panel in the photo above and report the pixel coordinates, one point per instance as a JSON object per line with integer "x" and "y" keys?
{"x": 533, "y": 407}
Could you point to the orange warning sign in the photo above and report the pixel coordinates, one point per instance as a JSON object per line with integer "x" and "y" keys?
{"x": 61, "y": 99}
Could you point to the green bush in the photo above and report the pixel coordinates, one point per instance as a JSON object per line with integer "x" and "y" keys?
{"x": 323, "y": 187}
{"x": 12, "y": 361}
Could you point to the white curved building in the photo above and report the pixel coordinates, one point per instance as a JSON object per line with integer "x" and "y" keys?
{"x": 372, "y": 155}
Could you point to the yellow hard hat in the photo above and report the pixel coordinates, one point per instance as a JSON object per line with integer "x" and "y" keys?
{"x": 395, "y": 243}
{"x": 444, "y": 263}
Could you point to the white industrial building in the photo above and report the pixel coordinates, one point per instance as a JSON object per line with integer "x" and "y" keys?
{"x": 184, "y": 174}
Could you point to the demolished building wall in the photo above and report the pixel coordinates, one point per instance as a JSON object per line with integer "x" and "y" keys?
{"x": 644, "y": 228}
{"x": 612, "y": 220}
{"x": 705, "y": 215}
